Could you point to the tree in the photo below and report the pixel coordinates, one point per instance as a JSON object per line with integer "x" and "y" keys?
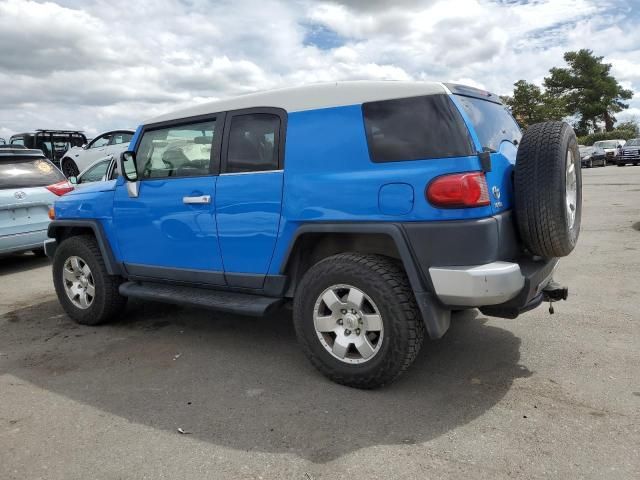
{"x": 529, "y": 104}
{"x": 630, "y": 125}
{"x": 588, "y": 90}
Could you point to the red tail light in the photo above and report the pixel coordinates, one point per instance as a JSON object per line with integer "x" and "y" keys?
{"x": 459, "y": 190}
{"x": 60, "y": 188}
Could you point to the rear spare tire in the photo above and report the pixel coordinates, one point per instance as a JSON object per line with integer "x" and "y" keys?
{"x": 548, "y": 189}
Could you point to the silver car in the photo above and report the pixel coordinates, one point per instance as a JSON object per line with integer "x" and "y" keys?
{"x": 29, "y": 184}
{"x": 112, "y": 143}
{"x": 101, "y": 170}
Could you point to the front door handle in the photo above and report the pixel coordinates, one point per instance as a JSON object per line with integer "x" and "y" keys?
{"x": 198, "y": 199}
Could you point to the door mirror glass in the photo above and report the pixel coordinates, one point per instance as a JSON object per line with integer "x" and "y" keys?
{"x": 128, "y": 166}
{"x": 73, "y": 180}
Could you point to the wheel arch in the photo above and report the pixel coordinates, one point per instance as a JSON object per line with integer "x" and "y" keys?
{"x": 313, "y": 242}
{"x": 60, "y": 230}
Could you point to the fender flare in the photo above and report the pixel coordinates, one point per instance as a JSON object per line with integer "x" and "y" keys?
{"x": 56, "y": 227}
{"x": 435, "y": 316}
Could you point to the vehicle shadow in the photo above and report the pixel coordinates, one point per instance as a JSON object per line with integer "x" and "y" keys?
{"x": 243, "y": 383}
{"x": 20, "y": 262}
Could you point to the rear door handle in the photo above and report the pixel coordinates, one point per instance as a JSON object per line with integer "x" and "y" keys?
{"x": 198, "y": 199}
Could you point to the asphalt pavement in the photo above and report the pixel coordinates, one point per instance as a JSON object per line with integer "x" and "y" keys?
{"x": 542, "y": 396}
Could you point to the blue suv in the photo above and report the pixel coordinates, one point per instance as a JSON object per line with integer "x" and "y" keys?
{"x": 374, "y": 208}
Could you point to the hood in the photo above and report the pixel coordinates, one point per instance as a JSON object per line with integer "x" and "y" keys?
{"x": 93, "y": 188}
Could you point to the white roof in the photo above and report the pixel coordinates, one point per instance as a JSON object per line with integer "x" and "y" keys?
{"x": 311, "y": 97}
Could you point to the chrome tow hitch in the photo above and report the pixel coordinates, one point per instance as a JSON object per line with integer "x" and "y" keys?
{"x": 554, "y": 292}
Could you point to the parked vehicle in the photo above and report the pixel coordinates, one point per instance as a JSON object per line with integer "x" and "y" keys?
{"x": 392, "y": 204}
{"x": 611, "y": 148}
{"x": 630, "y": 153}
{"x": 591, "y": 156}
{"x": 2, "y": 141}
{"x": 101, "y": 170}
{"x": 53, "y": 143}
{"x": 13, "y": 147}
{"x": 106, "y": 144}
{"x": 29, "y": 184}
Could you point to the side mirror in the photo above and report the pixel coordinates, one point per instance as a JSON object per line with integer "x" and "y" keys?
{"x": 85, "y": 146}
{"x": 73, "y": 180}
{"x": 128, "y": 167}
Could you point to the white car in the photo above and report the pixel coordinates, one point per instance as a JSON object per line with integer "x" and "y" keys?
{"x": 108, "y": 144}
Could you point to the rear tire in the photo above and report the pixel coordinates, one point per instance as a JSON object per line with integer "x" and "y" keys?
{"x": 391, "y": 339}
{"x": 85, "y": 290}
{"x": 548, "y": 189}
{"x": 69, "y": 167}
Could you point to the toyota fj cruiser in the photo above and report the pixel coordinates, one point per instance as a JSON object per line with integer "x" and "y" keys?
{"x": 376, "y": 208}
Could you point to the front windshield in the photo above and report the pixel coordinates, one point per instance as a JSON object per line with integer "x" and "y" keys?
{"x": 633, "y": 143}
{"x": 606, "y": 144}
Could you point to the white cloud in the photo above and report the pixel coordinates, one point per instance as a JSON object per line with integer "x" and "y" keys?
{"x": 105, "y": 64}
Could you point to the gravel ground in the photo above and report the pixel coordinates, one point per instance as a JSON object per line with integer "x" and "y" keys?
{"x": 543, "y": 396}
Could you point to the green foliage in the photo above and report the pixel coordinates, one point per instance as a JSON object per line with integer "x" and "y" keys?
{"x": 615, "y": 134}
{"x": 631, "y": 126}
{"x": 588, "y": 90}
{"x": 529, "y": 104}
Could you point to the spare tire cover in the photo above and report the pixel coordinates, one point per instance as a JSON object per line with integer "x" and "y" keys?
{"x": 548, "y": 189}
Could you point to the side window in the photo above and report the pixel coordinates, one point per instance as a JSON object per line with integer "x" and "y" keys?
{"x": 253, "y": 143}
{"x": 17, "y": 141}
{"x": 100, "y": 141}
{"x": 121, "y": 137}
{"x": 177, "y": 151}
{"x": 95, "y": 173}
{"x": 415, "y": 129}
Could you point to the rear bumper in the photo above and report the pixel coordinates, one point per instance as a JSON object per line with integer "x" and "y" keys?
{"x": 510, "y": 285}
{"x": 22, "y": 242}
{"x": 50, "y": 246}
{"x": 479, "y": 263}
{"x": 477, "y": 285}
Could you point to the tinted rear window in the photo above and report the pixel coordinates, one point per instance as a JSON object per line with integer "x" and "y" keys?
{"x": 415, "y": 128}
{"x": 492, "y": 122}
{"x": 24, "y": 173}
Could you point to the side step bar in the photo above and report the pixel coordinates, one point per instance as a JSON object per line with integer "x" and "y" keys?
{"x": 231, "y": 302}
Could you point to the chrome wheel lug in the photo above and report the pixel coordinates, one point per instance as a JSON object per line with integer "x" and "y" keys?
{"x": 343, "y": 311}
{"x": 358, "y": 331}
{"x": 347, "y": 332}
{"x": 340, "y": 322}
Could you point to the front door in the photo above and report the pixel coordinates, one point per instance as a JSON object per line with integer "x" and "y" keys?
{"x": 249, "y": 193}
{"x": 169, "y": 230}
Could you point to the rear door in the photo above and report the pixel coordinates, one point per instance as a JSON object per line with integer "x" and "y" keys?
{"x": 499, "y": 134}
{"x": 24, "y": 199}
{"x": 249, "y": 193}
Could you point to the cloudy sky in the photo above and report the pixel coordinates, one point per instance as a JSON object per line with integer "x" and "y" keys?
{"x": 98, "y": 65}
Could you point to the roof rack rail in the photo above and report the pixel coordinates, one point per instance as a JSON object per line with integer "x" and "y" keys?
{"x": 46, "y": 130}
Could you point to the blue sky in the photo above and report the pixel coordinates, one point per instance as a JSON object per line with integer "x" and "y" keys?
{"x": 99, "y": 64}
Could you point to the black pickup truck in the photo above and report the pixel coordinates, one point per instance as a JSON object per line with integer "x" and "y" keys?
{"x": 53, "y": 143}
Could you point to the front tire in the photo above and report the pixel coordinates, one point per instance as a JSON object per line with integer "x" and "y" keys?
{"x": 69, "y": 167}
{"x": 85, "y": 290}
{"x": 357, "y": 320}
